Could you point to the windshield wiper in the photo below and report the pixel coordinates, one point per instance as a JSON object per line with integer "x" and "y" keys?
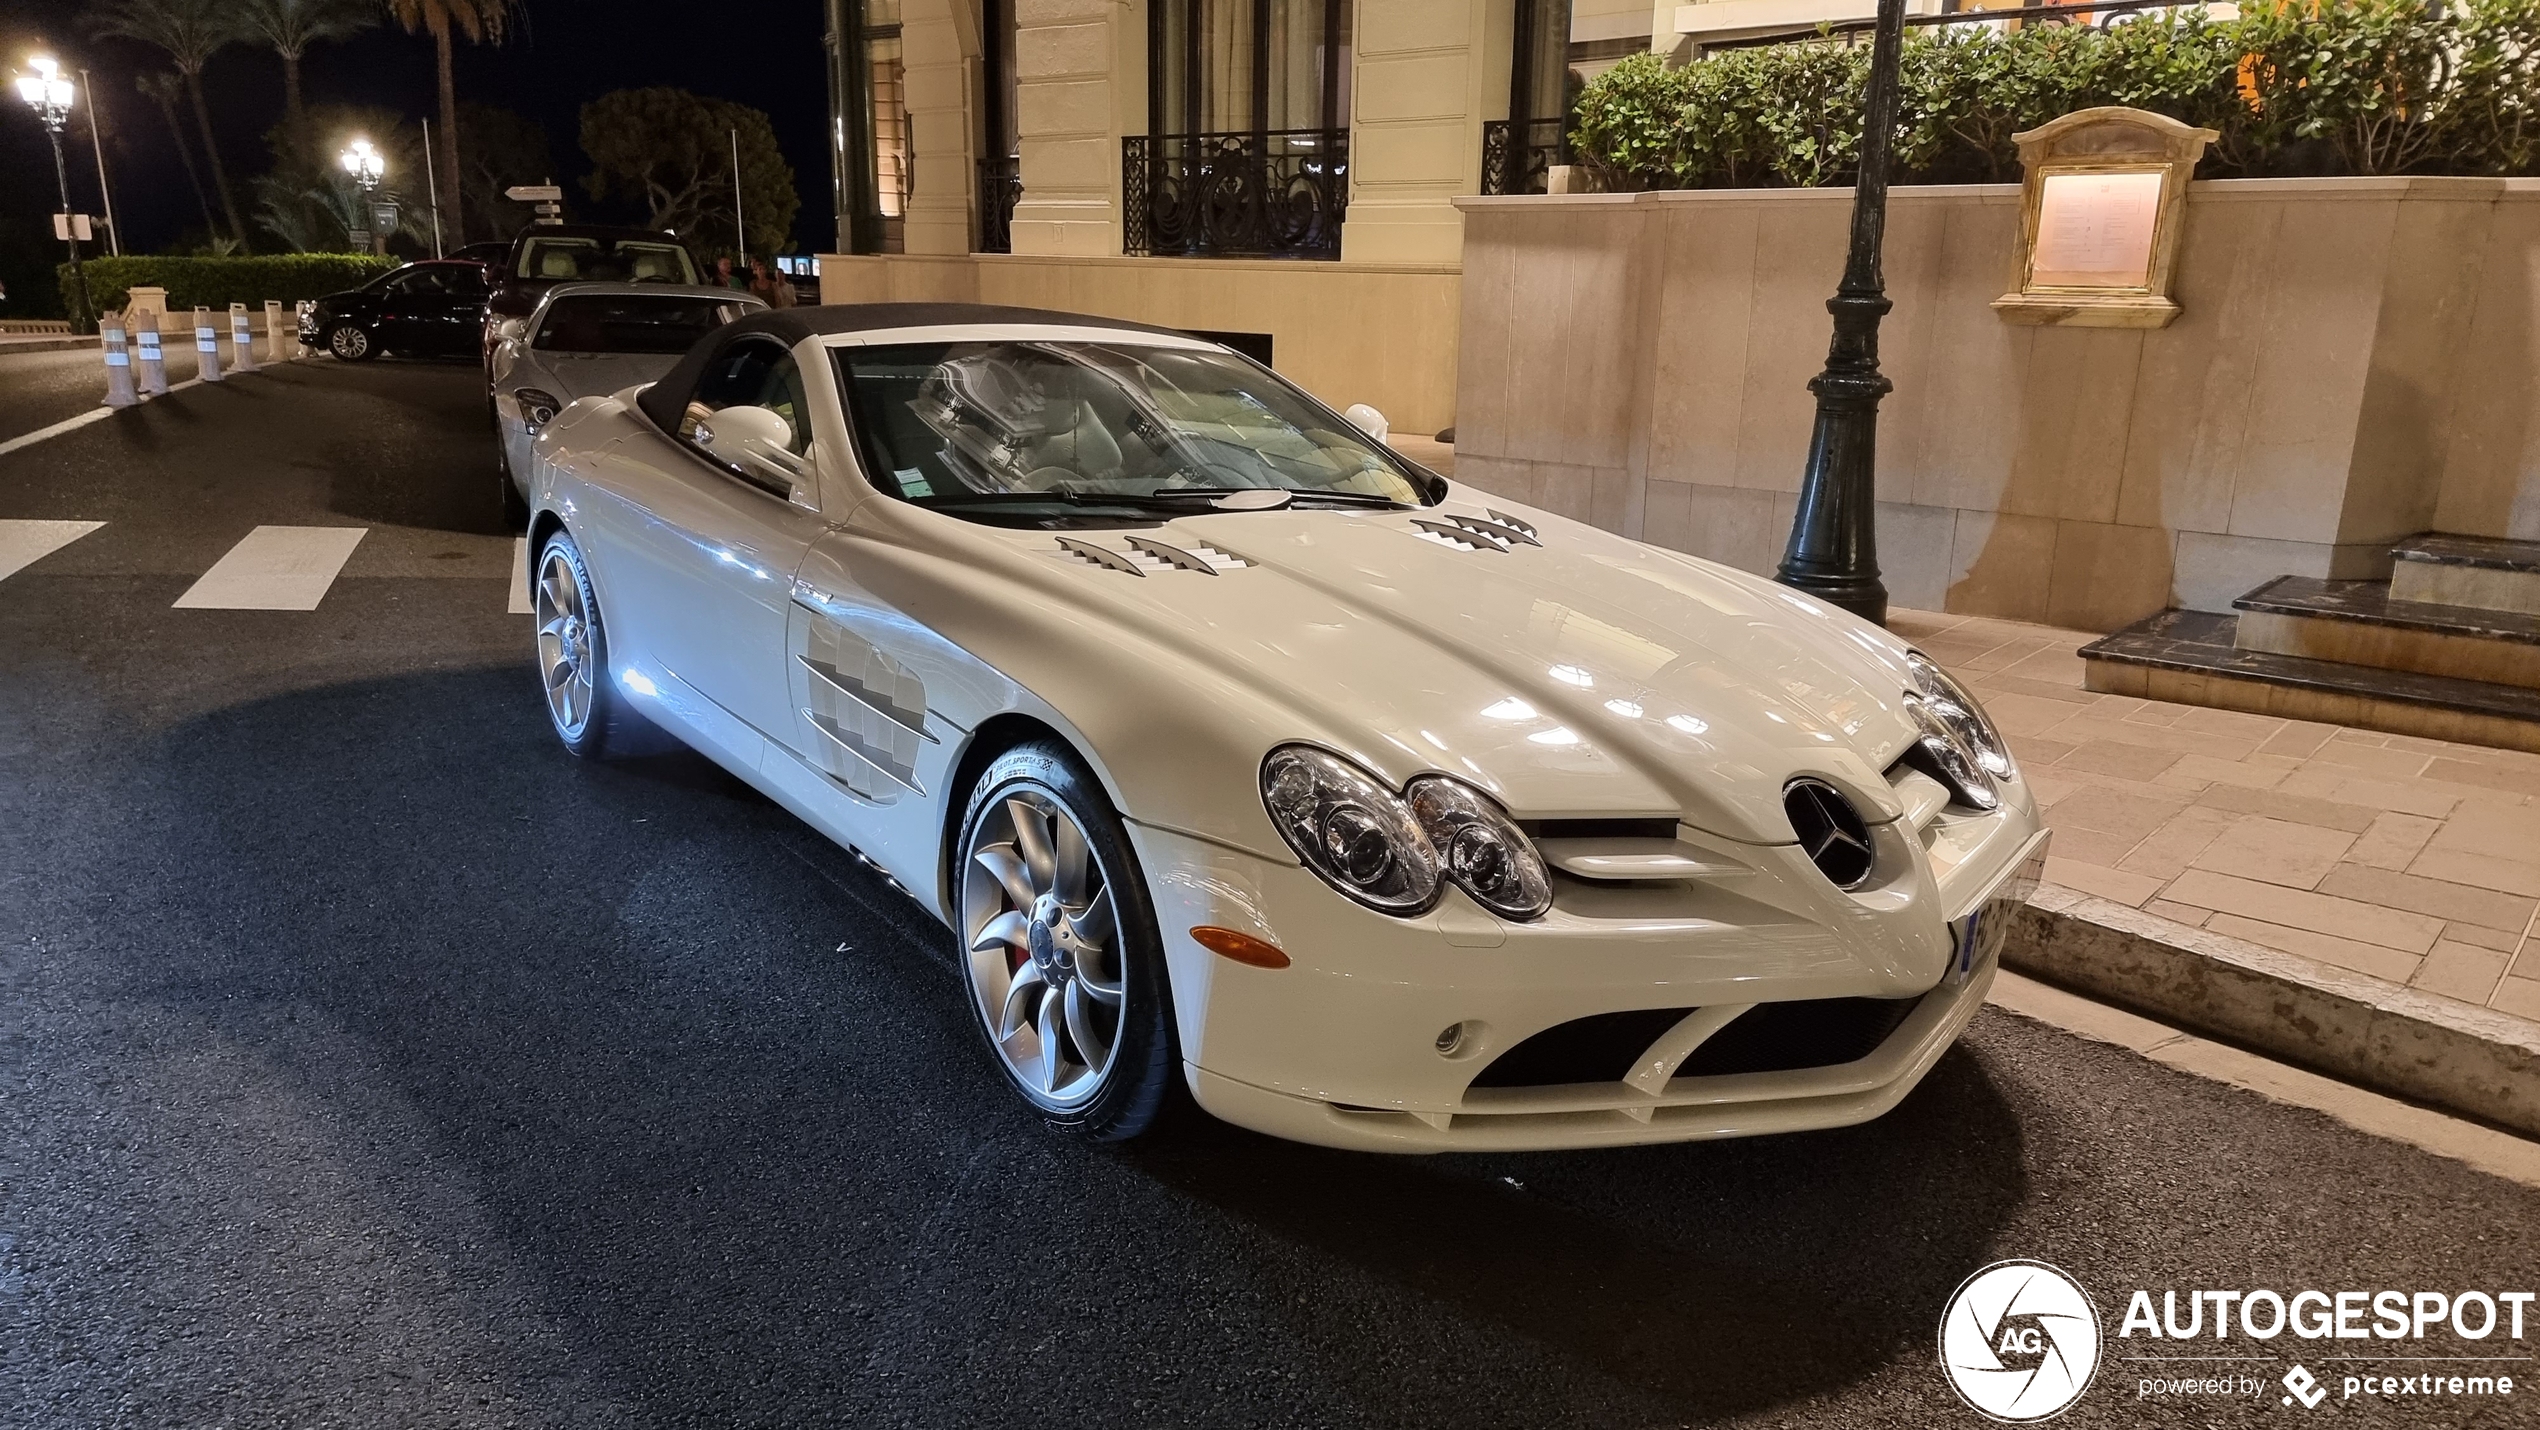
{"x": 1289, "y": 495}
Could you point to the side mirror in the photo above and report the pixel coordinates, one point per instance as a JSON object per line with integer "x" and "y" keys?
{"x": 510, "y": 330}
{"x": 1368, "y": 420}
{"x": 757, "y": 442}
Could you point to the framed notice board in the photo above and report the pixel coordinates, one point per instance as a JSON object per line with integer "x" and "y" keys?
{"x": 2101, "y": 209}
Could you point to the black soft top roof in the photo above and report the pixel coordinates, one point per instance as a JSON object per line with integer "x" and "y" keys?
{"x": 665, "y": 400}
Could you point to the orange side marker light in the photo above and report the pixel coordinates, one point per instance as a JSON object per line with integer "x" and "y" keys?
{"x": 1241, "y": 947}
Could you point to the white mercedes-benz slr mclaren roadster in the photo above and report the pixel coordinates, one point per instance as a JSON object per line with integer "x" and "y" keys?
{"x": 1246, "y": 757}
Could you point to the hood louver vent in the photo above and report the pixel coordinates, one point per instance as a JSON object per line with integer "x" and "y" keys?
{"x": 1146, "y": 556}
{"x": 1496, "y": 532}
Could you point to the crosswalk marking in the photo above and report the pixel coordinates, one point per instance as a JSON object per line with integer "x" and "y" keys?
{"x": 520, "y": 578}
{"x": 275, "y": 568}
{"x": 23, "y": 543}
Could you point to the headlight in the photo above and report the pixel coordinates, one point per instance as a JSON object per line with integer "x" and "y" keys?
{"x": 1969, "y": 750}
{"x": 1356, "y": 834}
{"x": 536, "y": 408}
{"x": 1489, "y": 857}
{"x": 1948, "y": 756}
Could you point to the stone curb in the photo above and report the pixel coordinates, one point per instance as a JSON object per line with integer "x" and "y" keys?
{"x": 44, "y": 344}
{"x": 2475, "y": 1061}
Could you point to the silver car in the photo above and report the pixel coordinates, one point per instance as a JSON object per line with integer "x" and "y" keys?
{"x": 583, "y": 340}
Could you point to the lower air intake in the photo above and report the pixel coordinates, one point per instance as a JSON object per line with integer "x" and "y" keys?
{"x": 1809, "y": 1033}
{"x": 1599, "y": 1048}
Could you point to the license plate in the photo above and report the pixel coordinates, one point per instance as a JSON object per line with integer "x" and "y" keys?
{"x": 1979, "y": 936}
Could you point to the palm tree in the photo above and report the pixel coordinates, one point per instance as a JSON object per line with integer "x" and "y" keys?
{"x": 482, "y": 23}
{"x": 291, "y": 26}
{"x": 191, "y": 32}
{"x": 165, "y": 90}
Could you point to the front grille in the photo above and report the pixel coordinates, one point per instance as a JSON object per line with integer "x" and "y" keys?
{"x": 1808, "y": 1033}
{"x": 1599, "y": 1048}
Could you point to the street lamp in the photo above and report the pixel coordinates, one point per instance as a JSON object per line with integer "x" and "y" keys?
{"x": 49, "y": 95}
{"x": 1833, "y": 551}
{"x": 366, "y": 166}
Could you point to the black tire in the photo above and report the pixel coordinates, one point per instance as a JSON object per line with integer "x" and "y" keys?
{"x": 1143, "y": 1084}
{"x": 610, "y": 729}
{"x": 350, "y": 342}
{"x": 515, "y": 506}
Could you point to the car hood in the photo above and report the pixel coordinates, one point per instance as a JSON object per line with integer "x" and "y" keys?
{"x": 572, "y": 375}
{"x": 1585, "y": 676}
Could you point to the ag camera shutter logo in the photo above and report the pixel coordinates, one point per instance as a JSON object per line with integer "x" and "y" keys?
{"x": 2019, "y": 1341}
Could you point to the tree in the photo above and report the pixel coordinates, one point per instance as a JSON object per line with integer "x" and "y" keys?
{"x": 291, "y": 26}
{"x": 503, "y": 149}
{"x": 671, "y": 151}
{"x": 191, "y": 32}
{"x": 480, "y": 22}
{"x": 166, "y": 89}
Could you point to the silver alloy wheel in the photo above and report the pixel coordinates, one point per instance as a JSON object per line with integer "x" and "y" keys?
{"x": 564, "y": 644}
{"x": 1045, "y": 964}
{"x": 348, "y": 342}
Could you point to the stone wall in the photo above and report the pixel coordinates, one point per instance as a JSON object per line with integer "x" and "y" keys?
{"x": 1378, "y": 333}
{"x": 2354, "y": 363}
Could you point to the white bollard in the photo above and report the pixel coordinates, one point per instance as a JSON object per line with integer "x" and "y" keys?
{"x": 242, "y": 340}
{"x": 154, "y": 367}
{"x": 110, "y": 336}
{"x": 279, "y": 336}
{"x": 206, "y": 346}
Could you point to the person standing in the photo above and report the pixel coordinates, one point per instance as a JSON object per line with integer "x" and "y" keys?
{"x": 773, "y": 289}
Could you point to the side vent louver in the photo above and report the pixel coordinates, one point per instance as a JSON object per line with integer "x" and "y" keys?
{"x": 1496, "y": 532}
{"x": 1148, "y": 556}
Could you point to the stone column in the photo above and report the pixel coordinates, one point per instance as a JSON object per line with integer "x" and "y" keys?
{"x": 1427, "y": 73}
{"x": 1071, "y": 95}
{"x": 939, "y": 48}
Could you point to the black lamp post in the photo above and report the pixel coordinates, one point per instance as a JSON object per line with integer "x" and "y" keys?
{"x": 49, "y": 95}
{"x": 1833, "y": 551}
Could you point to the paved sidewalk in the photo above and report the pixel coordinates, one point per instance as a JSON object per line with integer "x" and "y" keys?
{"x": 2412, "y": 861}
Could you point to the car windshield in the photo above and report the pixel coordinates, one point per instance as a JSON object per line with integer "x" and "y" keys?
{"x": 631, "y": 323}
{"x": 1061, "y": 427}
{"x": 562, "y": 258}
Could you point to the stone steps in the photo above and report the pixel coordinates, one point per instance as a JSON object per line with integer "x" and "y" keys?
{"x": 2448, "y": 648}
{"x": 2434, "y": 569}
{"x": 2363, "y": 623}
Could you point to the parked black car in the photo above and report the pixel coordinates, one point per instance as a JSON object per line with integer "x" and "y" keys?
{"x": 434, "y": 308}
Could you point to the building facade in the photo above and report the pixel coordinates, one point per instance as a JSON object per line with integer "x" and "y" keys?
{"x": 1283, "y": 172}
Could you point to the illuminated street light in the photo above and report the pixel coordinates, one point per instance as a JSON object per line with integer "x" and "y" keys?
{"x": 49, "y": 94}
{"x": 366, "y": 165}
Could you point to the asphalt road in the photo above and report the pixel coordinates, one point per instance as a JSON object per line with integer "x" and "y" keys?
{"x": 367, "y": 1061}
{"x": 40, "y": 389}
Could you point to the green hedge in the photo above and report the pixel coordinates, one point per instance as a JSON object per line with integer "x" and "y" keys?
{"x": 2343, "y": 87}
{"x": 219, "y": 282}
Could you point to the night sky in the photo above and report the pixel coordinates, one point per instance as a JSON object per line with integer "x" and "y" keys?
{"x": 562, "y": 54}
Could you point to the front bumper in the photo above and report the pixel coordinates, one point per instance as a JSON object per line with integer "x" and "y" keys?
{"x": 1347, "y": 1046}
{"x": 1743, "y": 1105}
